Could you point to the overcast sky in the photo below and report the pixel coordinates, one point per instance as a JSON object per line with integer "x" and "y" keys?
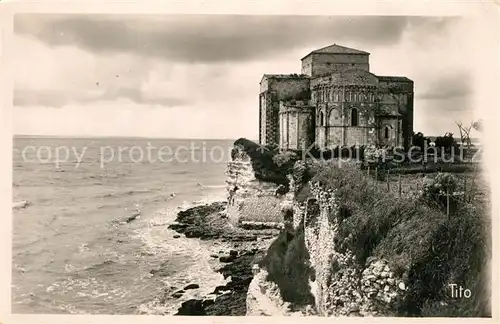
{"x": 198, "y": 76}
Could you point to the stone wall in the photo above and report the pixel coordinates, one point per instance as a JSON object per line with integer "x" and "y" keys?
{"x": 319, "y": 64}
{"x": 402, "y": 90}
{"x": 276, "y": 88}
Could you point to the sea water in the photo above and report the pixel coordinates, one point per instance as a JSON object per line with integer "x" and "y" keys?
{"x": 72, "y": 250}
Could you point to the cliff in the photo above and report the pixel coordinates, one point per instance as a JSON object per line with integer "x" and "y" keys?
{"x": 349, "y": 249}
{"x": 255, "y": 187}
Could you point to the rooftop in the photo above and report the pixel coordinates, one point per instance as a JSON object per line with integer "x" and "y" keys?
{"x": 337, "y": 49}
{"x": 393, "y": 78}
{"x": 285, "y": 76}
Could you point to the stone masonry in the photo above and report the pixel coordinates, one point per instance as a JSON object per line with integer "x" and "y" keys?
{"x": 346, "y": 104}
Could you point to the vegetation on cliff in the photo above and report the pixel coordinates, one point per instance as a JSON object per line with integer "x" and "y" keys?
{"x": 269, "y": 165}
{"x": 413, "y": 233}
{"x": 287, "y": 264}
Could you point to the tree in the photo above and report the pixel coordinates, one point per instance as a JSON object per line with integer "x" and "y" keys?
{"x": 419, "y": 140}
{"x": 465, "y": 133}
{"x": 447, "y": 141}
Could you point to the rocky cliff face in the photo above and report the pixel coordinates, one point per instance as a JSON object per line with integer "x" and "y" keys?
{"x": 343, "y": 288}
{"x": 340, "y": 287}
{"x": 250, "y": 201}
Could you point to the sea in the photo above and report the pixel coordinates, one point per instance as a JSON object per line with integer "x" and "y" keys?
{"x": 73, "y": 250}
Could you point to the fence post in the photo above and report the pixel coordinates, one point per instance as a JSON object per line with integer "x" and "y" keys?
{"x": 465, "y": 187}
{"x": 447, "y": 203}
{"x": 388, "y": 184}
{"x": 368, "y": 171}
{"x": 399, "y": 180}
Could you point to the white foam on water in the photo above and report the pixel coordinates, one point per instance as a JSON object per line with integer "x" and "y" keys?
{"x": 193, "y": 255}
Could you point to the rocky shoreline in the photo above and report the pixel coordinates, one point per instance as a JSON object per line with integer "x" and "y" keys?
{"x": 245, "y": 248}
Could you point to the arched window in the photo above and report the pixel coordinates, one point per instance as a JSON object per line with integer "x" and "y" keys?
{"x": 334, "y": 116}
{"x": 386, "y": 132}
{"x": 321, "y": 119}
{"x": 354, "y": 117}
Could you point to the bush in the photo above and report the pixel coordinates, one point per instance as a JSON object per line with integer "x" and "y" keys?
{"x": 284, "y": 158}
{"x": 287, "y": 264}
{"x": 264, "y": 161}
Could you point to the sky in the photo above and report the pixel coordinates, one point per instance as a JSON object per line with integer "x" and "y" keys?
{"x": 197, "y": 76}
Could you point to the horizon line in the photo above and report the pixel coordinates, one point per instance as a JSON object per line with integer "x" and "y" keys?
{"x": 118, "y": 136}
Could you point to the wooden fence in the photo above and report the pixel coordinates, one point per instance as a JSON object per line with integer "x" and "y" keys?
{"x": 468, "y": 187}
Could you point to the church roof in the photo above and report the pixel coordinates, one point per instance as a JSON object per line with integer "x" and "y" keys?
{"x": 393, "y": 78}
{"x": 286, "y": 76}
{"x": 336, "y": 49}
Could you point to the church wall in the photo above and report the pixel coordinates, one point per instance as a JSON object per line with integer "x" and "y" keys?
{"x": 290, "y": 88}
{"x": 395, "y": 135}
{"x": 405, "y": 93}
{"x": 320, "y": 136}
{"x": 325, "y": 63}
{"x": 306, "y": 125}
{"x": 307, "y": 65}
{"x": 360, "y": 92}
{"x": 262, "y": 118}
{"x": 275, "y": 90}
{"x": 335, "y": 135}
{"x": 292, "y": 131}
{"x": 264, "y": 84}
{"x": 356, "y": 136}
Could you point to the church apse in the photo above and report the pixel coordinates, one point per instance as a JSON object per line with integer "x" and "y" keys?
{"x": 337, "y": 101}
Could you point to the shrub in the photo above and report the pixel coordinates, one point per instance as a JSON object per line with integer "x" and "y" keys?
{"x": 287, "y": 264}
{"x": 284, "y": 158}
{"x": 263, "y": 161}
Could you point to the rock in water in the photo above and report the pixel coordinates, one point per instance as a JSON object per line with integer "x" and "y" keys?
{"x": 226, "y": 259}
{"x": 191, "y": 286}
{"x": 191, "y": 307}
{"x": 178, "y": 294}
{"x": 133, "y": 217}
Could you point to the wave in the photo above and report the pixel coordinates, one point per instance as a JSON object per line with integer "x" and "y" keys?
{"x": 214, "y": 186}
{"x": 125, "y": 193}
{"x": 100, "y": 266}
{"x": 20, "y": 204}
{"x": 181, "y": 172}
{"x": 199, "y": 184}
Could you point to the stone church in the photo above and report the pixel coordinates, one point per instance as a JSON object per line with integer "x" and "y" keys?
{"x": 336, "y": 101}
